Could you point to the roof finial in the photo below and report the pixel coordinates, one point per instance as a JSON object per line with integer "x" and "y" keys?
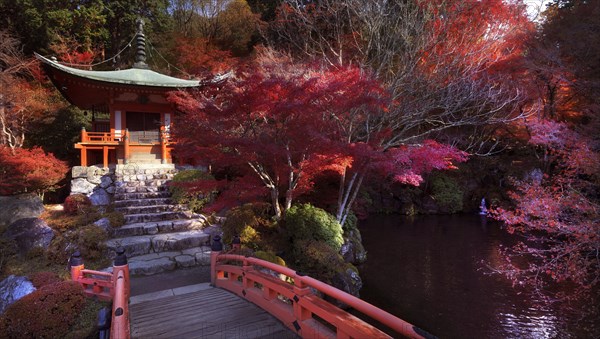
{"x": 140, "y": 46}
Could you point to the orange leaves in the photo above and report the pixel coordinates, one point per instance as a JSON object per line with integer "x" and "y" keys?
{"x": 198, "y": 56}
{"x": 29, "y": 170}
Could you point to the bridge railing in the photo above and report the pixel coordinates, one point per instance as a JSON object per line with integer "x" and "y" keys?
{"x": 108, "y": 286}
{"x": 294, "y": 299}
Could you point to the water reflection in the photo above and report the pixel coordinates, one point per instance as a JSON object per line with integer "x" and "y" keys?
{"x": 429, "y": 271}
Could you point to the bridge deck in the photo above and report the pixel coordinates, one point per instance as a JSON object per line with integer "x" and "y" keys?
{"x": 209, "y": 313}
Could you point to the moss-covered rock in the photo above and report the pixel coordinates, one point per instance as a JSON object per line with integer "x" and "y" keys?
{"x": 352, "y": 249}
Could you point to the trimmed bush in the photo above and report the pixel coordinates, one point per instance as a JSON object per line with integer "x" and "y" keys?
{"x": 76, "y": 204}
{"x": 48, "y": 312}
{"x": 252, "y": 223}
{"x": 41, "y": 279}
{"x": 117, "y": 219}
{"x": 317, "y": 259}
{"x": 180, "y": 190}
{"x": 306, "y": 222}
{"x": 270, "y": 257}
{"x": 90, "y": 242}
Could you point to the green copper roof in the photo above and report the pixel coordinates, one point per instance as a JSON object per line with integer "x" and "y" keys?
{"x": 132, "y": 76}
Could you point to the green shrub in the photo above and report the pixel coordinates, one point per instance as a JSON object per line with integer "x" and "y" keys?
{"x": 270, "y": 257}
{"x": 90, "y": 242}
{"x": 76, "y": 204}
{"x": 447, "y": 193}
{"x": 61, "y": 221}
{"x": 306, "y": 222}
{"x": 252, "y": 223}
{"x": 351, "y": 222}
{"x": 48, "y": 312}
{"x": 180, "y": 195}
{"x": 117, "y": 219}
{"x": 317, "y": 259}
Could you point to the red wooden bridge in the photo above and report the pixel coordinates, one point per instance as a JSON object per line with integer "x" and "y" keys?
{"x": 247, "y": 297}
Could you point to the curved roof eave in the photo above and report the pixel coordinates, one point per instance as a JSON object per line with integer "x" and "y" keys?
{"x": 132, "y": 76}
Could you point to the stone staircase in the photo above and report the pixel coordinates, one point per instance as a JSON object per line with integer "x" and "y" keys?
{"x": 158, "y": 235}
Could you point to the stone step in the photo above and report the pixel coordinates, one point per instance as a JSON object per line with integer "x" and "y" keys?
{"x": 149, "y": 217}
{"x": 142, "y": 202}
{"x": 141, "y": 189}
{"x": 167, "y": 242}
{"x": 154, "y": 263}
{"x": 151, "y": 209}
{"x": 123, "y": 196}
{"x": 151, "y": 228}
{"x": 150, "y": 175}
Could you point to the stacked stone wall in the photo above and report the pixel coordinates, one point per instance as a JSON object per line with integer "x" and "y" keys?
{"x": 100, "y": 183}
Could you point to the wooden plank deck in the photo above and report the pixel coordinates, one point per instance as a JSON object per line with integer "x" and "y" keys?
{"x": 210, "y": 313}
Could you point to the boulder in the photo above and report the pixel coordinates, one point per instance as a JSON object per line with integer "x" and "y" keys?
{"x": 81, "y": 185}
{"x": 352, "y": 249}
{"x": 100, "y": 197}
{"x": 348, "y": 280}
{"x": 20, "y": 206}
{"x": 105, "y": 181}
{"x": 104, "y": 224}
{"x": 12, "y": 289}
{"x": 29, "y": 233}
{"x": 79, "y": 172}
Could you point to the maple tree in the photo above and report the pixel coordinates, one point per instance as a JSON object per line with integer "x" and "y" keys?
{"x": 21, "y": 99}
{"x": 279, "y": 124}
{"x": 275, "y": 123}
{"x": 444, "y": 62}
{"x": 556, "y": 207}
{"x": 29, "y": 170}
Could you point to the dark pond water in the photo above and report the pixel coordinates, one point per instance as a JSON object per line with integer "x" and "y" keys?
{"x": 428, "y": 270}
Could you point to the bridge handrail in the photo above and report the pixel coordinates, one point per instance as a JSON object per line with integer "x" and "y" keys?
{"x": 108, "y": 286}
{"x": 303, "y": 282}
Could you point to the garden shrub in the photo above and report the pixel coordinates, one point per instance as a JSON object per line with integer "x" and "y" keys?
{"x": 117, "y": 219}
{"x": 43, "y": 278}
{"x": 317, "y": 259}
{"x": 446, "y": 192}
{"x": 48, "y": 312}
{"x": 181, "y": 194}
{"x": 76, "y": 204}
{"x": 90, "y": 240}
{"x": 270, "y": 257}
{"x": 252, "y": 223}
{"x": 306, "y": 222}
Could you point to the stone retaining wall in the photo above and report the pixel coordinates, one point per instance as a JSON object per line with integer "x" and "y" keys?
{"x": 101, "y": 183}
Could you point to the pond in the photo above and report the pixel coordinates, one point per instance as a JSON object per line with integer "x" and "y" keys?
{"x": 431, "y": 271}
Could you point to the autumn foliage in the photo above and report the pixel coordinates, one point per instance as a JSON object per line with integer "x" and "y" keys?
{"x": 274, "y": 124}
{"x": 29, "y": 170}
{"x": 48, "y": 312}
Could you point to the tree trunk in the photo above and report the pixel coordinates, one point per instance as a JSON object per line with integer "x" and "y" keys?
{"x": 275, "y": 202}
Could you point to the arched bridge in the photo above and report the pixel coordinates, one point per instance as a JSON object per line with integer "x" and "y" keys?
{"x": 248, "y": 298}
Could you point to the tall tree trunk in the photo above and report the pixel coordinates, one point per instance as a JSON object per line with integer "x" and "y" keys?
{"x": 275, "y": 202}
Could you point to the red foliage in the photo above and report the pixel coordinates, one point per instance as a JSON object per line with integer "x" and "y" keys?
{"x": 274, "y": 121}
{"x": 41, "y": 279}
{"x": 198, "y": 56}
{"x": 48, "y": 312}
{"x": 29, "y": 170}
{"x": 76, "y": 204}
{"x": 558, "y": 209}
